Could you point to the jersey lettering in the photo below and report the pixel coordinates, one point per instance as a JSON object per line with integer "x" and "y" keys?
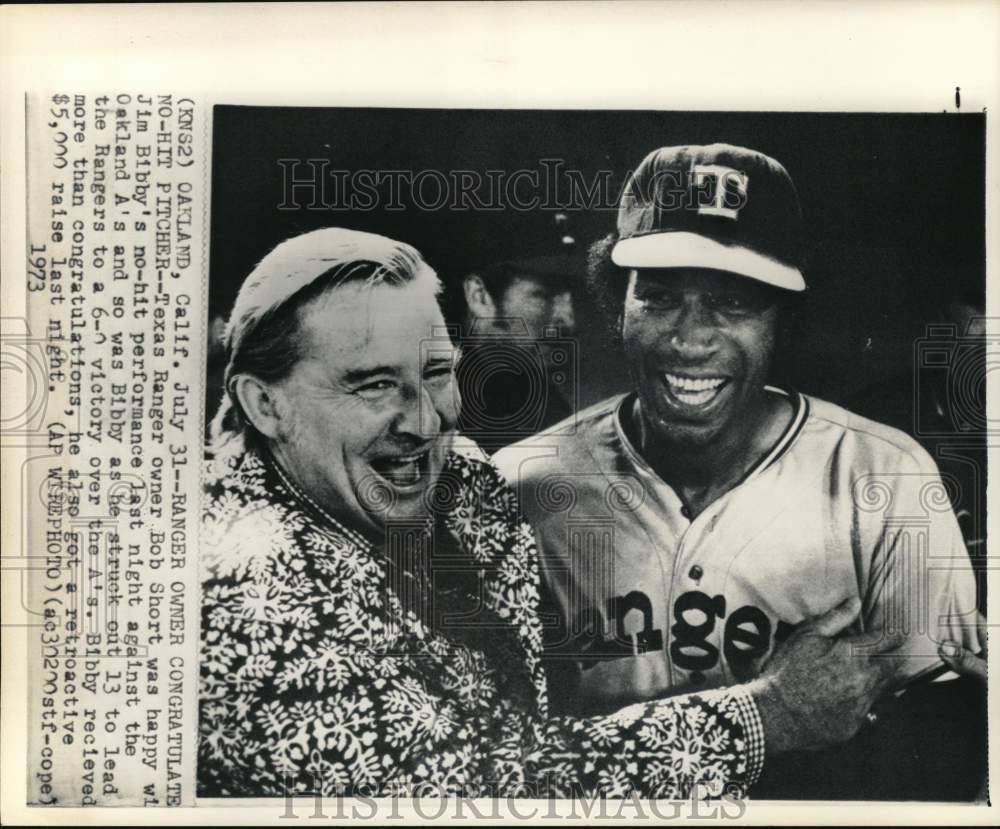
{"x": 690, "y": 648}
{"x": 647, "y": 639}
{"x": 746, "y": 635}
{"x": 746, "y": 639}
{"x": 590, "y": 646}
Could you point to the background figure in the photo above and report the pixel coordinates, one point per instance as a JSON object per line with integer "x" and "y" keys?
{"x": 518, "y": 372}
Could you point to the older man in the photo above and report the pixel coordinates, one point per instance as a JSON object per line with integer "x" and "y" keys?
{"x": 370, "y": 596}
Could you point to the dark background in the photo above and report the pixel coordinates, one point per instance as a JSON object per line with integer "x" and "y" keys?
{"x": 894, "y": 208}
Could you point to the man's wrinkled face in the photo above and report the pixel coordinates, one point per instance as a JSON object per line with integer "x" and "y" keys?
{"x": 699, "y": 345}
{"x": 539, "y": 304}
{"x": 368, "y": 414}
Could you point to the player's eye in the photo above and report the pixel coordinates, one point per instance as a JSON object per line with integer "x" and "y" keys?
{"x": 734, "y": 302}
{"x": 659, "y": 298}
{"x": 728, "y": 302}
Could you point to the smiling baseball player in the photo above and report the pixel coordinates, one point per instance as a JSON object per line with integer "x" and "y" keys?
{"x": 688, "y": 526}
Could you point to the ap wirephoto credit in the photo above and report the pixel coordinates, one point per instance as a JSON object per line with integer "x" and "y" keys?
{"x": 559, "y": 454}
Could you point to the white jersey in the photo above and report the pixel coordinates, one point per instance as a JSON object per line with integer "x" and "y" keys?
{"x": 653, "y": 603}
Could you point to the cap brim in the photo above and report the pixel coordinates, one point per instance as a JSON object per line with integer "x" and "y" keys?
{"x": 682, "y": 249}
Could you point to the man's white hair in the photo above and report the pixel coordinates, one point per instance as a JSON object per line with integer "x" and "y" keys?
{"x": 262, "y": 334}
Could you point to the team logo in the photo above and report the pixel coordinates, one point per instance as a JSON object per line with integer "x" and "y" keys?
{"x": 721, "y": 191}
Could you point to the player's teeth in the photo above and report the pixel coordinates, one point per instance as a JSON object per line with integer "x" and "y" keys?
{"x": 693, "y": 384}
{"x": 694, "y": 391}
{"x": 698, "y": 398}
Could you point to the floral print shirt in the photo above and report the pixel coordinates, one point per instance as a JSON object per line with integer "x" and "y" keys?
{"x": 324, "y": 671}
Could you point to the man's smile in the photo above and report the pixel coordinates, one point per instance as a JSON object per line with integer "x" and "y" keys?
{"x": 693, "y": 392}
{"x": 404, "y": 472}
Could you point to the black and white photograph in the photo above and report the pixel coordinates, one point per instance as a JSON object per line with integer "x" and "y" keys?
{"x": 499, "y": 412}
{"x": 590, "y": 453}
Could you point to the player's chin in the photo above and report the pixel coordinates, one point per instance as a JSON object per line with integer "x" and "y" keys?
{"x": 690, "y": 426}
{"x": 691, "y": 437}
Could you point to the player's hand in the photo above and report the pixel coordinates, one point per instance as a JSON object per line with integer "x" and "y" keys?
{"x": 964, "y": 661}
{"x": 820, "y": 684}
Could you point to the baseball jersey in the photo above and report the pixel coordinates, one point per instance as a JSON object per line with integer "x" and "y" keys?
{"x": 651, "y": 602}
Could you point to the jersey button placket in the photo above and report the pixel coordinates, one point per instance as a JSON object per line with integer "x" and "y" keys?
{"x": 687, "y": 538}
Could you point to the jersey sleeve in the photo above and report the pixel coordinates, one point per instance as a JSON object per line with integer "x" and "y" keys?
{"x": 920, "y": 581}
{"x": 379, "y": 727}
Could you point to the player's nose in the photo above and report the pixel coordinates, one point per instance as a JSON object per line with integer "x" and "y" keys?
{"x": 693, "y": 335}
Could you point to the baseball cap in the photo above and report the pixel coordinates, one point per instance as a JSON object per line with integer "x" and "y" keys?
{"x": 548, "y": 250}
{"x": 717, "y": 206}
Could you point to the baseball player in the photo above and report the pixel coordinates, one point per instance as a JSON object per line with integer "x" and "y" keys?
{"x": 688, "y": 526}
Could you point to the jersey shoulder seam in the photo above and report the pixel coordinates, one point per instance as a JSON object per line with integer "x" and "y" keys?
{"x": 586, "y": 418}
{"x": 907, "y": 445}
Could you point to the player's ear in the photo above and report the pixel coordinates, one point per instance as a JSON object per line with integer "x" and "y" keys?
{"x": 259, "y": 401}
{"x": 477, "y": 297}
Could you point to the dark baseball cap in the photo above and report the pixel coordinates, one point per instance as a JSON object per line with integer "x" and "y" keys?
{"x": 720, "y": 207}
{"x": 548, "y": 251}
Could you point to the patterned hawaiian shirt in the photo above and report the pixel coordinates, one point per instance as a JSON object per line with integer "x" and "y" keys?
{"x": 325, "y": 670}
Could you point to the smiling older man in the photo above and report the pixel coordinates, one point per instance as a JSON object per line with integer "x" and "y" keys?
{"x": 371, "y": 595}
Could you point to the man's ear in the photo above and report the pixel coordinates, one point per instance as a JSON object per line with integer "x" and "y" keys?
{"x": 477, "y": 297}
{"x": 259, "y": 404}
